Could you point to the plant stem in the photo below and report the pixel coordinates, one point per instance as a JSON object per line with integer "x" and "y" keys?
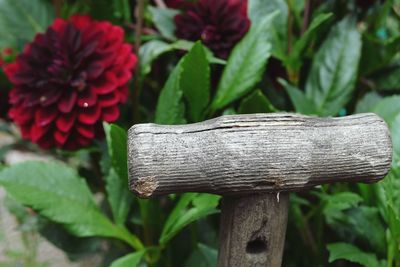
{"x": 289, "y": 26}
{"x": 138, "y": 40}
{"x": 57, "y": 7}
{"x": 306, "y": 16}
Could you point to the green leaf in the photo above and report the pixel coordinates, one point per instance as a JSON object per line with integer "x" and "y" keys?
{"x": 163, "y": 19}
{"x": 150, "y": 51}
{"x": 184, "y": 213}
{"x": 331, "y": 81}
{"x": 389, "y": 109}
{"x": 367, "y": 102}
{"x": 294, "y": 60}
{"x": 117, "y": 148}
{"x": 257, "y": 102}
{"x": 344, "y": 215}
{"x": 118, "y": 194}
{"x": 190, "y": 78}
{"x": 260, "y": 9}
{"x": 203, "y": 256}
{"x": 170, "y": 108}
{"x": 351, "y": 253}
{"x": 58, "y": 193}
{"x": 195, "y": 81}
{"x": 20, "y": 20}
{"x": 245, "y": 65}
{"x": 187, "y": 45}
{"x": 130, "y": 260}
{"x": 339, "y": 202}
{"x": 389, "y": 80}
{"x": 299, "y": 100}
{"x": 376, "y": 53}
{"x": 122, "y": 10}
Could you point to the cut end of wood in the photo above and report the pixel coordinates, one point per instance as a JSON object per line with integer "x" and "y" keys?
{"x": 144, "y": 186}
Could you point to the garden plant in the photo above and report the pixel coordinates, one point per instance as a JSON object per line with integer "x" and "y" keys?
{"x": 75, "y": 75}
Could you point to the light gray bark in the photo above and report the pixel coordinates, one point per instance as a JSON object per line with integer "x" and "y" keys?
{"x": 258, "y": 153}
{"x": 252, "y": 232}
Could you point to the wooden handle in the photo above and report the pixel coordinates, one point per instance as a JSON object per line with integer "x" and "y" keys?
{"x": 244, "y": 154}
{"x": 252, "y": 231}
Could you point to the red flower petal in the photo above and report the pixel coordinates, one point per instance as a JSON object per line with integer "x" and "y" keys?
{"x": 108, "y": 100}
{"x": 58, "y": 24}
{"x": 67, "y": 102}
{"x": 81, "y": 21}
{"x": 89, "y": 115}
{"x": 61, "y": 137}
{"x": 44, "y": 116}
{"x": 21, "y": 115}
{"x": 65, "y": 122}
{"x": 123, "y": 76}
{"x": 50, "y": 97}
{"x": 87, "y": 99}
{"x": 94, "y": 70}
{"x": 85, "y": 130}
{"x": 110, "y": 114}
{"x": 37, "y": 132}
{"x": 105, "y": 85}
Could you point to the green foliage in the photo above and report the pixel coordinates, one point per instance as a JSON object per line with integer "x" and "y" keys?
{"x": 58, "y": 193}
{"x": 20, "y": 20}
{"x": 190, "y": 78}
{"x": 390, "y": 80}
{"x": 116, "y": 141}
{"x": 119, "y": 197}
{"x": 334, "y": 70}
{"x": 170, "y": 107}
{"x": 195, "y": 81}
{"x": 353, "y": 254}
{"x": 301, "y": 103}
{"x": 129, "y": 260}
{"x": 190, "y": 207}
{"x": 294, "y": 60}
{"x": 203, "y": 256}
{"x": 257, "y": 102}
{"x": 149, "y": 52}
{"x": 322, "y": 58}
{"x": 163, "y": 20}
{"x": 245, "y": 65}
{"x": 258, "y": 10}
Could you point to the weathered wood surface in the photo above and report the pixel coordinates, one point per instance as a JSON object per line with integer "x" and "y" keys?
{"x": 242, "y": 154}
{"x": 252, "y": 232}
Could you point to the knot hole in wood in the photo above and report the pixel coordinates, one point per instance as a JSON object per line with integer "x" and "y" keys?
{"x": 257, "y": 246}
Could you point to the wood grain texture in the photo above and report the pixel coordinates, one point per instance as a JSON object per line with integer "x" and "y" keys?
{"x": 244, "y": 154}
{"x": 253, "y": 230}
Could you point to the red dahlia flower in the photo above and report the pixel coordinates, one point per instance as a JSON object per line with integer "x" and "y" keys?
{"x": 69, "y": 80}
{"x": 220, "y": 24}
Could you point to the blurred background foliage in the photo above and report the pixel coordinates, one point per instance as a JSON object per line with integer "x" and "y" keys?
{"x": 317, "y": 57}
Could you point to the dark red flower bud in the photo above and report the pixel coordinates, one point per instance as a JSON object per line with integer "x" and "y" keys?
{"x": 69, "y": 80}
{"x": 219, "y": 24}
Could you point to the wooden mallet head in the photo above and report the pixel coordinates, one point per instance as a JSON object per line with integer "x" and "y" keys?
{"x": 243, "y": 156}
